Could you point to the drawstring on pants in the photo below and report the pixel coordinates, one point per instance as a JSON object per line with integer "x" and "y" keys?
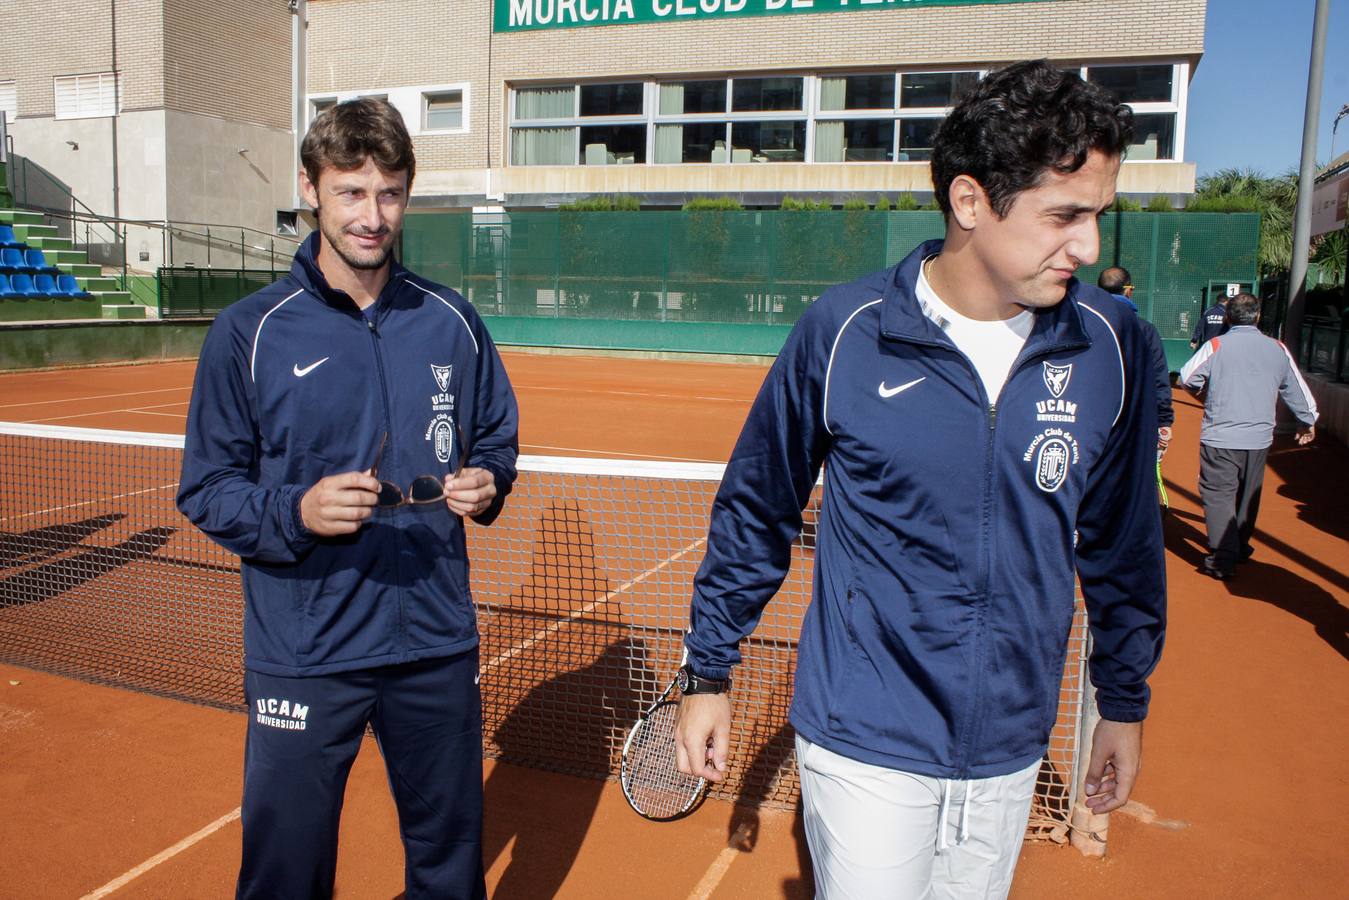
{"x": 963, "y": 832}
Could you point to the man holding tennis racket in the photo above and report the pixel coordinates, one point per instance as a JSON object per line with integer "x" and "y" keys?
{"x": 343, "y": 421}
{"x": 987, "y": 427}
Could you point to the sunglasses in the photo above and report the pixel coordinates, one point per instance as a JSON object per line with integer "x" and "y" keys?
{"x": 424, "y": 488}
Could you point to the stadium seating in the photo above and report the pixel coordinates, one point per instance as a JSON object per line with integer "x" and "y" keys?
{"x": 7, "y": 238}
{"x": 5, "y": 289}
{"x": 21, "y": 285}
{"x": 37, "y": 262}
{"x": 67, "y": 286}
{"x": 12, "y": 261}
{"x": 45, "y": 285}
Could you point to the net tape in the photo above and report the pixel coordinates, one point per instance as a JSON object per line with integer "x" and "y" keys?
{"x": 581, "y": 588}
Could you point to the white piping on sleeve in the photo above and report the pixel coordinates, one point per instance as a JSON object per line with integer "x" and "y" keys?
{"x": 1195, "y": 362}
{"x": 829, "y": 371}
{"x": 257, "y": 336}
{"x": 451, "y": 308}
{"x": 1123, "y": 384}
{"x": 1302, "y": 384}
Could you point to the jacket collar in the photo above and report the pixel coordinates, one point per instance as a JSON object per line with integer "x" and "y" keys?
{"x": 1057, "y": 327}
{"x": 305, "y": 269}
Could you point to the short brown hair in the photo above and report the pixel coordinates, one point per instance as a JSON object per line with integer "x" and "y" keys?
{"x": 349, "y": 133}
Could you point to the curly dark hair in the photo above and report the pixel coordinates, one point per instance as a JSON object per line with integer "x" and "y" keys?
{"x": 1020, "y": 122}
{"x": 349, "y": 133}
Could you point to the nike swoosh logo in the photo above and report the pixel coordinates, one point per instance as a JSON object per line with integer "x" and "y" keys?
{"x": 300, "y": 373}
{"x": 890, "y": 392}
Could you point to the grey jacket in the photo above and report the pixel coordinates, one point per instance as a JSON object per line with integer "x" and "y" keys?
{"x": 1244, "y": 372}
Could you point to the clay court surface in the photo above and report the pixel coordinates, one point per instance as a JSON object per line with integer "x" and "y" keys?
{"x": 1243, "y": 791}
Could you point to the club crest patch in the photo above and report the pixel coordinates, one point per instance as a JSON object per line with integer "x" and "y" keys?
{"x": 442, "y": 374}
{"x": 1056, "y": 378}
{"x": 1052, "y": 454}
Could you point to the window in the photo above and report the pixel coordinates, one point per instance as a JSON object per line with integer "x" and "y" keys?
{"x": 613, "y": 145}
{"x": 86, "y": 96}
{"x": 320, "y": 105}
{"x": 612, "y": 99}
{"x": 545, "y": 103}
{"x": 443, "y": 111}
{"x": 858, "y": 92}
{"x": 1156, "y": 95}
{"x": 930, "y": 90}
{"x": 693, "y": 97}
{"x": 766, "y": 94}
{"x": 1134, "y": 84}
{"x": 9, "y": 101}
{"x": 856, "y": 140}
{"x": 768, "y": 141}
{"x": 916, "y": 138}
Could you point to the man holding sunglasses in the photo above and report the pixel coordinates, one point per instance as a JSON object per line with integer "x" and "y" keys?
{"x": 342, "y": 422}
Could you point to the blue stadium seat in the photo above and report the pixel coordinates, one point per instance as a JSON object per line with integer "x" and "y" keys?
{"x": 46, "y": 285}
{"x": 22, "y": 285}
{"x": 67, "y": 286}
{"x": 37, "y": 262}
{"x": 12, "y": 262}
{"x": 5, "y": 289}
{"x": 7, "y": 238}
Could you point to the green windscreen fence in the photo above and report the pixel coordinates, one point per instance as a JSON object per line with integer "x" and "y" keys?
{"x": 734, "y": 282}
{"x": 190, "y": 293}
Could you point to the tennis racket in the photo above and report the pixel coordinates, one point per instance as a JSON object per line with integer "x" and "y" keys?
{"x": 652, "y": 784}
{"x": 1161, "y": 488}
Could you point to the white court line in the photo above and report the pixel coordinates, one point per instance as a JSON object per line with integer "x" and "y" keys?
{"x": 85, "y": 415}
{"x": 146, "y": 412}
{"x": 95, "y": 397}
{"x": 163, "y": 855}
{"x": 51, "y": 509}
{"x": 606, "y": 454}
{"x": 589, "y": 607}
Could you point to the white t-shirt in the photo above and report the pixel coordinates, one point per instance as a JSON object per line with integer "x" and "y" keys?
{"x": 991, "y": 346}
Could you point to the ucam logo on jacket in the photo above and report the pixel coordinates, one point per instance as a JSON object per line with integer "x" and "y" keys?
{"x": 295, "y": 383}
{"x": 950, "y": 527}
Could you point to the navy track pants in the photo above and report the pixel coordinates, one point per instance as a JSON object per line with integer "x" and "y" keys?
{"x": 303, "y": 736}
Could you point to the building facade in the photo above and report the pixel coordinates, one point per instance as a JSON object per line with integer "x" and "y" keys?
{"x": 190, "y": 110}
{"x": 532, "y": 103}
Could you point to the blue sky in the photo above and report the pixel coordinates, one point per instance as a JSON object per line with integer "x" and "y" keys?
{"x": 1249, "y": 93}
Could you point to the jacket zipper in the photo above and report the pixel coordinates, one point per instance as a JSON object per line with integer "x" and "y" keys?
{"x": 391, "y": 451}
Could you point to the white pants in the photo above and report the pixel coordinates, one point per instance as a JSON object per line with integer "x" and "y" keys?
{"x": 878, "y": 833}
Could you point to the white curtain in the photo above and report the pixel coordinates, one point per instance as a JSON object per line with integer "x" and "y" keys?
{"x": 543, "y": 147}
{"x": 833, "y": 92}
{"x": 669, "y": 143}
{"x": 671, "y": 99}
{"x": 829, "y": 142}
{"x": 545, "y": 103}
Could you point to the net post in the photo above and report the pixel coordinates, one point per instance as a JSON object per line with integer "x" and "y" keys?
{"x": 1087, "y": 831}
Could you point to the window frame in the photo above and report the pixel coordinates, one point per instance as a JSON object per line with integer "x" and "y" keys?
{"x": 425, "y": 98}
{"x": 74, "y": 81}
{"x": 409, "y": 100}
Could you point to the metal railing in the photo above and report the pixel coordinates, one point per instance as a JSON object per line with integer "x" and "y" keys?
{"x": 1323, "y": 345}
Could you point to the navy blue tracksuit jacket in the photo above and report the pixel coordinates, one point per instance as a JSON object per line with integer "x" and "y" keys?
{"x": 294, "y": 383}
{"x": 951, "y": 527}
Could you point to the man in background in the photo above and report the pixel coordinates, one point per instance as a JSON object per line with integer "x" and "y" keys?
{"x": 1213, "y": 323}
{"x": 1116, "y": 281}
{"x": 1242, "y": 373}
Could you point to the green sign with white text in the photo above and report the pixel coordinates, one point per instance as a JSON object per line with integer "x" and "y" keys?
{"x": 522, "y": 15}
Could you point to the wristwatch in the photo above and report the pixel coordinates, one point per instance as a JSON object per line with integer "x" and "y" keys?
{"x": 690, "y": 683}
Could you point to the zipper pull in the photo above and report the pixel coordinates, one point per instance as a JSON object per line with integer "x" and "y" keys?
{"x": 992, "y": 416}
{"x": 371, "y": 325}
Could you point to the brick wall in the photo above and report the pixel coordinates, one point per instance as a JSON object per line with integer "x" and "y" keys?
{"x": 41, "y": 40}
{"x": 231, "y": 60}
{"x": 359, "y": 45}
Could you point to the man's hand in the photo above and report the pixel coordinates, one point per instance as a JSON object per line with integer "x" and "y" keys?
{"x": 339, "y": 504}
{"x": 471, "y": 492}
{"x": 1116, "y": 756}
{"x": 703, "y": 735}
{"x": 1305, "y": 434}
{"x": 1163, "y": 440}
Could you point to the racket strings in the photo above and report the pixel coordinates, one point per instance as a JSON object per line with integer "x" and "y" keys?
{"x": 651, "y": 781}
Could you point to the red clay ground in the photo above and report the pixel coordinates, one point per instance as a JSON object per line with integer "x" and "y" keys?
{"x": 1243, "y": 781}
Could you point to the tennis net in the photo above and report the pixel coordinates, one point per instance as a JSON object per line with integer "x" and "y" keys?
{"x": 581, "y": 588}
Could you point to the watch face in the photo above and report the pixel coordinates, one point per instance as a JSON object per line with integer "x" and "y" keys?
{"x": 682, "y": 680}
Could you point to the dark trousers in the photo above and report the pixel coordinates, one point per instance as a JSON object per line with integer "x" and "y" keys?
{"x": 1229, "y": 485}
{"x": 303, "y": 736}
